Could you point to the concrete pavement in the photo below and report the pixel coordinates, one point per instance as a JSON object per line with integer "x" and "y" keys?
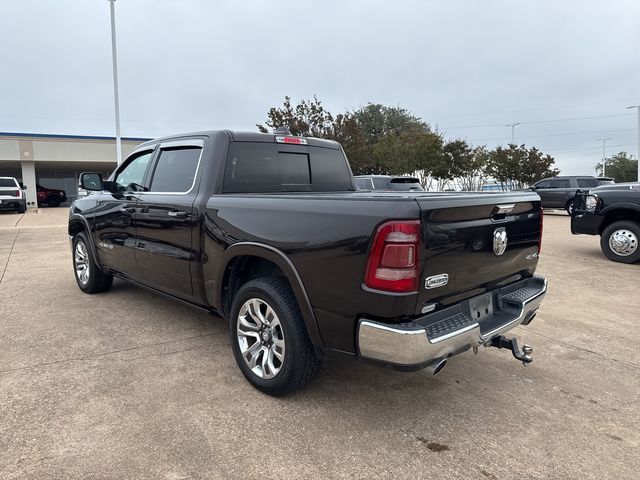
{"x": 127, "y": 384}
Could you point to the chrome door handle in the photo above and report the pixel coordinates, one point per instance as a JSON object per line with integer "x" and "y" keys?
{"x": 177, "y": 214}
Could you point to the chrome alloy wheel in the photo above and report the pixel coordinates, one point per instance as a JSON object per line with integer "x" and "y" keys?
{"x": 623, "y": 242}
{"x": 81, "y": 262}
{"x": 260, "y": 338}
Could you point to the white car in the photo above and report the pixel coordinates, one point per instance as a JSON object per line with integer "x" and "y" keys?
{"x": 12, "y": 195}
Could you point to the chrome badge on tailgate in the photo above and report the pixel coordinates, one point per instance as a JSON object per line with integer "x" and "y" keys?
{"x": 436, "y": 281}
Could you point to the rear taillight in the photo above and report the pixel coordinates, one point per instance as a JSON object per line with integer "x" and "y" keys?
{"x": 541, "y": 224}
{"x": 18, "y": 193}
{"x": 393, "y": 260}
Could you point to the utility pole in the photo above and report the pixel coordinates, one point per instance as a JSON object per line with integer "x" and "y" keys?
{"x": 638, "y": 150}
{"x": 114, "y": 56}
{"x": 604, "y": 155}
{"x": 513, "y": 130}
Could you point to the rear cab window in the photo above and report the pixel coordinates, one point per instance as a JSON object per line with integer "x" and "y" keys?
{"x": 587, "y": 182}
{"x": 406, "y": 185}
{"x": 260, "y": 167}
{"x": 8, "y": 183}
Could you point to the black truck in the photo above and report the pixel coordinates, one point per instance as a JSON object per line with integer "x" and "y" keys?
{"x": 613, "y": 212}
{"x": 270, "y": 232}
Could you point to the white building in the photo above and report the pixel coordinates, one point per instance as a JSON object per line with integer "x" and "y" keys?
{"x": 55, "y": 161}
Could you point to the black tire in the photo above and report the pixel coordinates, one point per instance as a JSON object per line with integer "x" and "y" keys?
{"x": 96, "y": 280}
{"x": 569, "y": 207}
{"x": 22, "y": 208}
{"x": 630, "y": 231}
{"x": 300, "y": 362}
{"x": 54, "y": 201}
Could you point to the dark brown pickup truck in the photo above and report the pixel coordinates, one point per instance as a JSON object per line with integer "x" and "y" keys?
{"x": 269, "y": 231}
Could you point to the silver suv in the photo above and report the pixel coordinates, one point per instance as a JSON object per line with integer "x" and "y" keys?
{"x": 12, "y": 195}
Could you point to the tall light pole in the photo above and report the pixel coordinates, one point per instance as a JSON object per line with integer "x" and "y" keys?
{"x": 637, "y": 151}
{"x": 513, "y": 130}
{"x": 116, "y": 99}
{"x": 604, "y": 154}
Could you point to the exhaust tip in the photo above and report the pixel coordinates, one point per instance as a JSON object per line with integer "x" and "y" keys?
{"x": 437, "y": 366}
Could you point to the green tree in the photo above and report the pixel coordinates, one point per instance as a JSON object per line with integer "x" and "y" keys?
{"x": 378, "y": 120}
{"x": 620, "y": 167}
{"x": 405, "y": 152}
{"x": 517, "y": 166}
{"x": 308, "y": 118}
{"x": 471, "y": 172}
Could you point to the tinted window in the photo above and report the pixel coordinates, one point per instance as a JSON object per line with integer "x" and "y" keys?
{"x": 175, "y": 170}
{"x": 7, "y": 182}
{"x": 364, "y": 183}
{"x": 263, "y": 167}
{"x": 605, "y": 181}
{"x": 329, "y": 170}
{"x": 559, "y": 183}
{"x": 543, "y": 184}
{"x": 587, "y": 182}
{"x": 405, "y": 185}
{"x": 131, "y": 178}
{"x": 381, "y": 183}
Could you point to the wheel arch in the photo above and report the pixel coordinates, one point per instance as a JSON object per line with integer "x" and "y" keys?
{"x": 618, "y": 213}
{"x": 244, "y": 258}
{"x": 77, "y": 224}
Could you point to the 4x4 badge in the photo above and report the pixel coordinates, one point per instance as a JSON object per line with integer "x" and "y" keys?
{"x": 499, "y": 241}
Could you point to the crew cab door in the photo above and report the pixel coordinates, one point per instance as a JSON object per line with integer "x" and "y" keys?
{"x": 115, "y": 214}
{"x": 165, "y": 218}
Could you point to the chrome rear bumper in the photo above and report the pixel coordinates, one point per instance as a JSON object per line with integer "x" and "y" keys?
{"x": 450, "y": 331}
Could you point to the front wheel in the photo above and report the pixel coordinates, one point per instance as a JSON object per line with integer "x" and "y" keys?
{"x": 269, "y": 339}
{"x": 570, "y": 206}
{"x": 89, "y": 277}
{"x": 619, "y": 241}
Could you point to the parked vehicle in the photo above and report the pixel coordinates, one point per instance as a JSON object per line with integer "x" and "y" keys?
{"x": 12, "y": 195}
{"x": 498, "y": 187}
{"x": 269, "y": 232}
{"x": 613, "y": 212}
{"x": 50, "y": 196}
{"x": 387, "y": 183}
{"x": 560, "y": 192}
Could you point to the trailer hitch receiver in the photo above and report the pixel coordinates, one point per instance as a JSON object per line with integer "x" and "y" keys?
{"x": 523, "y": 355}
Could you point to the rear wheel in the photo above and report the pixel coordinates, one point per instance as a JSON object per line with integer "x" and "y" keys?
{"x": 269, "y": 339}
{"x": 21, "y": 208}
{"x": 54, "y": 201}
{"x": 89, "y": 277}
{"x": 619, "y": 241}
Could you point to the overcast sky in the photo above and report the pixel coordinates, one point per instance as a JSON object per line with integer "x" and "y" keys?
{"x": 468, "y": 67}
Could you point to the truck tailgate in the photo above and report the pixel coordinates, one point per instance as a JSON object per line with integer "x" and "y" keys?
{"x": 464, "y": 252}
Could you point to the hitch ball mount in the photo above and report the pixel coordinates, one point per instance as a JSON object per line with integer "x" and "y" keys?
{"x": 523, "y": 355}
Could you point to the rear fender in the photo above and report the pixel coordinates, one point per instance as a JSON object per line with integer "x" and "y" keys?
{"x": 282, "y": 261}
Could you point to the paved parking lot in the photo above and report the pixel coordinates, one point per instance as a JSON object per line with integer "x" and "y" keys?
{"x": 127, "y": 384}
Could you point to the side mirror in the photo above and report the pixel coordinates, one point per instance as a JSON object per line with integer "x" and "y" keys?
{"x": 91, "y": 181}
{"x": 23, "y": 187}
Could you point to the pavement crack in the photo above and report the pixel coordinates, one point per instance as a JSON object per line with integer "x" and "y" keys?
{"x": 103, "y": 354}
{"x": 6, "y": 265}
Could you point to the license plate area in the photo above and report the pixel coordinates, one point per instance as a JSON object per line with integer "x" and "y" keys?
{"x": 481, "y": 307}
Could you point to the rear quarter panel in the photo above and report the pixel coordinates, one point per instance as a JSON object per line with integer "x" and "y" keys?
{"x": 326, "y": 237}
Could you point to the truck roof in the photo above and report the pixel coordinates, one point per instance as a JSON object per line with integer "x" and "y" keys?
{"x": 240, "y": 136}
